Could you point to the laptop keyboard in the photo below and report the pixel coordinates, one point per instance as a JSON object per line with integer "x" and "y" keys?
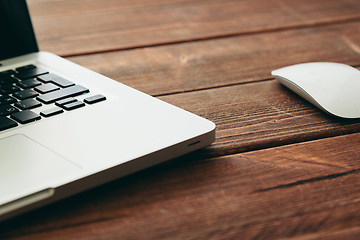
{"x": 28, "y": 87}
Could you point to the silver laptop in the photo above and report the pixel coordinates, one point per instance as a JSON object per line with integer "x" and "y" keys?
{"x": 65, "y": 129}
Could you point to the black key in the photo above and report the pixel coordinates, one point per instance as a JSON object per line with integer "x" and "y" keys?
{"x": 6, "y": 73}
{"x": 8, "y": 89}
{"x": 94, "y": 99}
{"x": 45, "y": 88}
{"x": 28, "y": 104}
{"x": 28, "y": 93}
{"x": 62, "y": 82}
{"x": 31, "y": 73}
{"x": 29, "y": 83}
{"x": 6, "y": 100}
{"x": 6, "y": 123}
{"x": 62, "y": 94}
{"x": 7, "y": 80}
{"x": 24, "y": 68}
{"x": 51, "y": 112}
{"x": 73, "y": 105}
{"x": 25, "y": 116}
{"x": 60, "y": 103}
{"x": 6, "y": 110}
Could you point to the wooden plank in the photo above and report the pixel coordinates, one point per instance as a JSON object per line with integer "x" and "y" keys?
{"x": 260, "y": 115}
{"x": 68, "y": 27}
{"x": 207, "y": 64}
{"x": 294, "y": 190}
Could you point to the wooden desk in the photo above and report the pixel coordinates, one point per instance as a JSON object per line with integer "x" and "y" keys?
{"x": 279, "y": 168}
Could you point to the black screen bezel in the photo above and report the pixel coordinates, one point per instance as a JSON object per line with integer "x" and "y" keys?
{"x": 18, "y": 17}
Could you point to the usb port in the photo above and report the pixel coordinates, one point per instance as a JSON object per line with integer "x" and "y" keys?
{"x": 194, "y": 143}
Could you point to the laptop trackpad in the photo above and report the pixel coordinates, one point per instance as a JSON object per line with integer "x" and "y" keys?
{"x": 27, "y": 167}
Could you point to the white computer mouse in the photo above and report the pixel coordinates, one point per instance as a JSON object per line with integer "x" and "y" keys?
{"x": 333, "y": 87}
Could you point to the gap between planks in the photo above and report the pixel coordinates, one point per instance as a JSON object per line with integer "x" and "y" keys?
{"x": 221, "y": 36}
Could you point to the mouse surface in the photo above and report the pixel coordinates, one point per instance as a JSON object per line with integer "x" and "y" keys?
{"x": 333, "y": 87}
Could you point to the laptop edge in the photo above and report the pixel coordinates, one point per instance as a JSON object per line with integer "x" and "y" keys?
{"x": 128, "y": 132}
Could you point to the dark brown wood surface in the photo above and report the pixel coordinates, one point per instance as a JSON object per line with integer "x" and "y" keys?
{"x": 279, "y": 168}
{"x": 87, "y": 26}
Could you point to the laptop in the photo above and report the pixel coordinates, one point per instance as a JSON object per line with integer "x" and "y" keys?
{"x": 65, "y": 128}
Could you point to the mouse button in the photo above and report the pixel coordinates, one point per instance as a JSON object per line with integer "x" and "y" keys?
{"x": 321, "y": 80}
{"x": 301, "y": 75}
{"x": 314, "y": 71}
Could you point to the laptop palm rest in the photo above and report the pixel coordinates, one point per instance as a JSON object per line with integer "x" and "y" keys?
{"x": 29, "y": 172}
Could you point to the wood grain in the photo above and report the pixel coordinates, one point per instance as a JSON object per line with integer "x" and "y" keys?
{"x": 68, "y": 27}
{"x": 294, "y": 190}
{"x": 225, "y": 62}
{"x": 279, "y": 169}
{"x": 260, "y": 115}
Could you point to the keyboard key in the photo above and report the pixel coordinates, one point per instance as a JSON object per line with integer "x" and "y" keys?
{"x": 7, "y": 100}
{"x": 45, "y": 88}
{"x": 24, "y": 68}
{"x": 6, "y": 123}
{"x": 6, "y": 73}
{"x": 45, "y": 78}
{"x": 62, "y": 94}
{"x": 8, "y": 89}
{"x": 94, "y": 99}
{"x": 6, "y": 110}
{"x": 60, "y": 103}
{"x": 25, "y": 116}
{"x": 51, "y": 112}
{"x": 28, "y": 93}
{"x": 31, "y": 73}
{"x": 29, "y": 83}
{"x": 7, "y": 80}
{"x": 73, "y": 105}
{"x": 62, "y": 82}
{"x": 28, "y": 104}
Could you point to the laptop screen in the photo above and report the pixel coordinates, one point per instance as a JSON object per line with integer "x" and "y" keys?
{"x": 16, "y": 33}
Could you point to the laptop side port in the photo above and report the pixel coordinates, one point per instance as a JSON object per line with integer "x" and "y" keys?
{"x": 194, "y": 143}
